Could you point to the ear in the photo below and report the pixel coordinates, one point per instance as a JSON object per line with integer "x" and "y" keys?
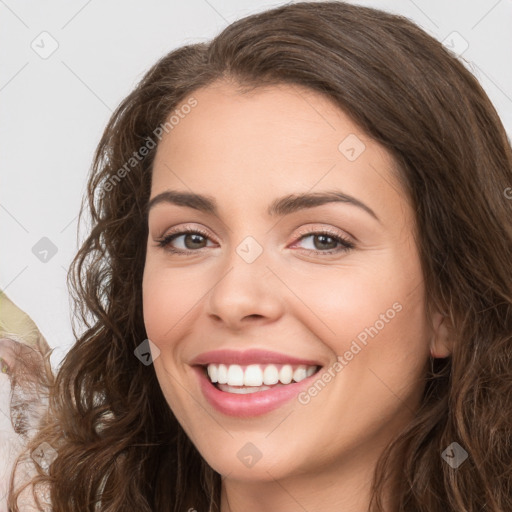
{"x": 441, "y": 339}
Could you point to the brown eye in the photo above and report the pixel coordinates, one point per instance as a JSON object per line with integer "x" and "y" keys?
{"x": 326, "y": 243}
{"x": 193, "y": 240}
{"x": 190, "y": 240}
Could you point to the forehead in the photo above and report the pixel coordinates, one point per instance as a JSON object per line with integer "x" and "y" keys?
{"x": 282, "y": 139}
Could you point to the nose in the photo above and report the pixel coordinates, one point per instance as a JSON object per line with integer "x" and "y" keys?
{"x": 247, "y": 293}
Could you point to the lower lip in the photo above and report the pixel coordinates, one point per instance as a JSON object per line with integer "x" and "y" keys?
{"x": 250, "y": 404}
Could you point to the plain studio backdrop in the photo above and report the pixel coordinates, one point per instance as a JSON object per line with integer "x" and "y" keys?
{"x": 65, "y": 66}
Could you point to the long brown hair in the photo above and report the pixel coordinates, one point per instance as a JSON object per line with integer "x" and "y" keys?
{"x": 119, "y": 444}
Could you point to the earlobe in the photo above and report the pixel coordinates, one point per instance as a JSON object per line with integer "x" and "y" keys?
{"x": 441, "y": 340}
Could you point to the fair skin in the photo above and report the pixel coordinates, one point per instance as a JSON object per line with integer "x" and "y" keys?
{"x": 246, "y": 150}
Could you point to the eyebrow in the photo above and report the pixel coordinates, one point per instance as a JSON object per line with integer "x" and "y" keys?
{"x": 279, "y": 207}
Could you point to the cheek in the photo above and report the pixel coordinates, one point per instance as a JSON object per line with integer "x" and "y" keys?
{"x": 374, "y": 313}
{"x": 161, "y": 304}
{"x": 344, "y": 303}
{"x": 169, "y": 296}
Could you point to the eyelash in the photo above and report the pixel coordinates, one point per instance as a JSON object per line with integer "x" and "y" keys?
{"x": 164, "y": 242}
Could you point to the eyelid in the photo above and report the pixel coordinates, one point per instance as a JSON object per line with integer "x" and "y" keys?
{"x": 315, "y": 228}
{"x": 185, "y": 227}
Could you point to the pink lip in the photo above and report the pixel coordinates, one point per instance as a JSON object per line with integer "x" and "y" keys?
{"x": 251, "y": 404}
{"x": 252, "y": 356}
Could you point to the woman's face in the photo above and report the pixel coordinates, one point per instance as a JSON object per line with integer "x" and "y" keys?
{"x": 267, "y": 272}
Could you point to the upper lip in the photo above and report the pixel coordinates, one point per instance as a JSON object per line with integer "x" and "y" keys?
{"x": 246, "y": 357}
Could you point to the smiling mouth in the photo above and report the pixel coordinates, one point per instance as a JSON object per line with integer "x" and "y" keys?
{"x": 253, "y": 378}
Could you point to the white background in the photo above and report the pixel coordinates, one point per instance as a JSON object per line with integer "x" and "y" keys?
{"x": 53, "y": 110}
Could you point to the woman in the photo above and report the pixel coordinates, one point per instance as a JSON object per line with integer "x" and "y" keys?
{"x": 261, "y": 369}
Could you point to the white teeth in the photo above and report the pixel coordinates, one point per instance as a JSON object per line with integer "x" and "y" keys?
{"x": 235, "y": 375}
{"x": 286, "y": 374}
{"x": 253, "y": 375}
{"x": 258, "y": 376}
{"x": 242, "y": 390}
{"x": 270, "y": 375}
{"x": 299, "y": 374}
{"x": 213, "y": 371}
{"x": 222, "y": 374}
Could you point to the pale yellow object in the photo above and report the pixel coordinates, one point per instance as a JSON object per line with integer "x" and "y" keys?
{"x": 18, "y": 326}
